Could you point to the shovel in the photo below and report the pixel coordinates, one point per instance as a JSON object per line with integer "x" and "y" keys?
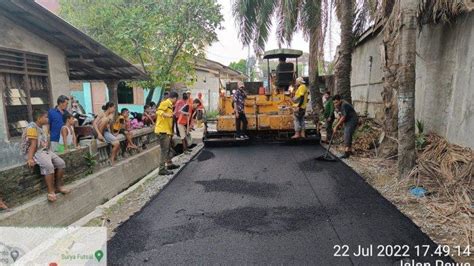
{"x": 327, "y": 157}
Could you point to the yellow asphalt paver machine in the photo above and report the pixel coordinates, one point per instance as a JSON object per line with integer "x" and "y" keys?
{"x": 269, "y": 109}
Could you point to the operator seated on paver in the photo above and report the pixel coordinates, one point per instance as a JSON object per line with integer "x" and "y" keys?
{"x": 164, "y": 130}
{"x": 299, "y": 108}
{"x": 239, "y": 107}
{"x": 350, "y": 119}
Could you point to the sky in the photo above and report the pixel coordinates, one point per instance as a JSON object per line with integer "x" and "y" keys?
{"x": 229, "y": 48}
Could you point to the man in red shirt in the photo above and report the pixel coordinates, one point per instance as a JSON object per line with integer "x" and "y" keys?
{"x": 177, "y": 110}
{"x": 184, "y": 121}
{"x": 191, "y": 109}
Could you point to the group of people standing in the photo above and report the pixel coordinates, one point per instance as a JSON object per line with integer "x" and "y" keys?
{"x": 180, "y": 114}
{"x": 337, "y": 114}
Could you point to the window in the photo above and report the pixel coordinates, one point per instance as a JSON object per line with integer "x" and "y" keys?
{"x": 125, "y": 93}
{"x": 24, "y": 83}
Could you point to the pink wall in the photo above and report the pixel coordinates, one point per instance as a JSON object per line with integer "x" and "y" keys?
{"x": 51, "y": 5}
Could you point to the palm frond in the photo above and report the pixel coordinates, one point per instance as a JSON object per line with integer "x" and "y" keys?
{"x": 245, "y": 14}
{"x": 287, "y": 17}
{"x": 439, "y": 11}
{"x": 266, "y": 9}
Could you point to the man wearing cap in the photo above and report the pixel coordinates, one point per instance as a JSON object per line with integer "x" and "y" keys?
{"x": 240, "y": 118}
{"x": 299, "y": 108}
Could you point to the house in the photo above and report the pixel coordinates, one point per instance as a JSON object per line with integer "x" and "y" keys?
{"x": 210, "y": 77}
{"x": 39, "y": 55}
{"x": 444, "y": 78}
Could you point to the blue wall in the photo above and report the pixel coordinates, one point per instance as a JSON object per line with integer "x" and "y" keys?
{"x": 85, "y": 98}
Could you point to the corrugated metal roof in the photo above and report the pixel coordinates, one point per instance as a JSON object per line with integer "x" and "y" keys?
{"x": 87, "y": 59}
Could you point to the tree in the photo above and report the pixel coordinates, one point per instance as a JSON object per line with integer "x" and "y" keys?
{"x": 399, "y": 43}
{"x": 406, "y": 91}
{"x": 242, "y": 65}
{"x": 162, "y": 36}
{"x": 255, "y": 21}
{"x": 345, "y": 14}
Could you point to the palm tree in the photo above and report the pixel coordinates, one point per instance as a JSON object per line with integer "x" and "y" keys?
{"x": 254, "y": 19}
{"x": 345, "y": 14}
{"x": 399, "y": 20}
{"x": 406, "y": 90}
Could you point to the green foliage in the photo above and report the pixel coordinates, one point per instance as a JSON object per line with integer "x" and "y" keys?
{"x": 241, "y": 66}
{"x": 420, "y": 137}
{"x": 90, "y": 161}
{"x": 212, "y": 115}
{"x": 162, "y": 36}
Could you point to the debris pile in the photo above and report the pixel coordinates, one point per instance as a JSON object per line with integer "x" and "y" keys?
{"x": 367, "y": 137}
{"x": 446, "y": 171}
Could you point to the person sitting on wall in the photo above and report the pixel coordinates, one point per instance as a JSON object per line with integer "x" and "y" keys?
{"x": 350, "y": 119}
{"x": 152, "y": 107}
{"x": 136, "y": 122}
{"x": 35, "y": 148}
{"x": 68, "y": 139}
{"x": 103, "y": 131}
{"x": 148, "y": 117}
{"x": 56, "y": 122}
{"x": 122, "y": 125}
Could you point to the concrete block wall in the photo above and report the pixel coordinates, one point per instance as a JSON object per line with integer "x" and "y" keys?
{"x": 87, "y": 193}
{"x": 444, "y": 79}
{"x": 19, "y": 183}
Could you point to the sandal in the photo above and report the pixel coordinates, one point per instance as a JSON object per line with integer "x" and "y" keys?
{"x": 52, "y": 197}
{"x": 63, "y": 190}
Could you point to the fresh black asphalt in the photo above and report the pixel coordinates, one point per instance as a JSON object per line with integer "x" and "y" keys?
{"x": 267, "y": 204}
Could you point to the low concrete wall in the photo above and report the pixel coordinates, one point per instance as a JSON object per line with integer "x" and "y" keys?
{"x": 87, "y": 193}
{"x": 19, "y": 183}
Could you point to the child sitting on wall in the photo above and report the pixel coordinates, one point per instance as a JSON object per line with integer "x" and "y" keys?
{"x": 122, "y": 125}
{"x": 67, "y": 139}
{"x": 35, "y": 148}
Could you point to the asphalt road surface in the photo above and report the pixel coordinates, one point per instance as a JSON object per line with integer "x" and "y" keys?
{"x": 269, "y": 204}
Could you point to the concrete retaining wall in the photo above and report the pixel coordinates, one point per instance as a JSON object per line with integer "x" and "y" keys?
{"x": 19, "y": 183}
{"x": 444, "y": 78}
{"x": 86, "y": 194}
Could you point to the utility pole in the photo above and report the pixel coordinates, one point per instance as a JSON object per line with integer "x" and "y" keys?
{"x": 247, "y": 65}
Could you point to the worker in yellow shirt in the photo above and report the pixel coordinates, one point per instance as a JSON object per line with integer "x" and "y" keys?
{"x": 164, "y": 130}
{"x": 299, "y": 108}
